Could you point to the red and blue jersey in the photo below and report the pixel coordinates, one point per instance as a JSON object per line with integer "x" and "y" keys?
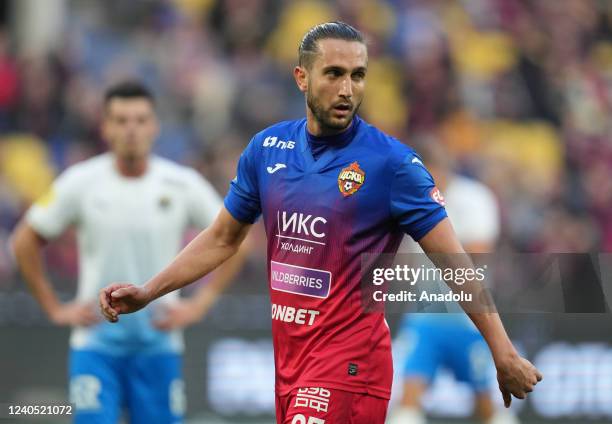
{"x": 326, "y": 201}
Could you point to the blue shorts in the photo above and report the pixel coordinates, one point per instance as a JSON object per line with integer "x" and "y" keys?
{"x": 149, "y": 388}
{"x": 450, "y": 343}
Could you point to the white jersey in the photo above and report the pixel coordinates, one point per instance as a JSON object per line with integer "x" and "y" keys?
{"x": 472, "y": 209}
{"x": 474, "y": 214}
{"x": 128, "y": 229}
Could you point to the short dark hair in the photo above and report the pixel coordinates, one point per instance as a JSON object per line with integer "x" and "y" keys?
{"x": 309, "y": 47}
{"x": 130, "y": 89}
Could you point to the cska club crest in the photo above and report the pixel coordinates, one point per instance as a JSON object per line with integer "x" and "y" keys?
{"x": 350, "y": 179}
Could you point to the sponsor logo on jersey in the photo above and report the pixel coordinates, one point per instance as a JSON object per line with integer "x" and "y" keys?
{"x": 300, "y": 280}
{"x": 437, "y": 197}
{"x": 278, "y": 144}
{"x": 300, "y": 227}
{"x": 291, "y": 314}
{"x": 350, "y": 179}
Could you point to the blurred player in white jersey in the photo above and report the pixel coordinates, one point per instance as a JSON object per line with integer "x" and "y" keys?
{"x": 130, "y": 210}
{"x": 450, "y": 340}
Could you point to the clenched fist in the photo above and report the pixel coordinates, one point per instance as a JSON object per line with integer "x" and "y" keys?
{"x": 122, "y": 298}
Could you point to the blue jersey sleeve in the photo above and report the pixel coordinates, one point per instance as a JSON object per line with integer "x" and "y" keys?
{"x": 242, "y": 200}
{"x": 416, "y": 203}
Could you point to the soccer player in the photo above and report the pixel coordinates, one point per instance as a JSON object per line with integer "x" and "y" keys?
{"x": 330, "y": 187}
{"x": 450, "y": 339}
{"x": 130, "y": 210}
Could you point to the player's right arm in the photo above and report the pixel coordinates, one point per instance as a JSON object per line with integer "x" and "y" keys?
{"x": 27, "y": 246}
{"x": 207, "y": 251}
{"x": 47, "y": 219}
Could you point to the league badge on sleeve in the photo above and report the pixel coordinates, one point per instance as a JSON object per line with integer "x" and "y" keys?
{"x": 350, "y": 179}
{"x": 437, "y": 197}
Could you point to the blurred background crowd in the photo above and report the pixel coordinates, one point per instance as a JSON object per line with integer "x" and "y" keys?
{"x": 519, "y": 91}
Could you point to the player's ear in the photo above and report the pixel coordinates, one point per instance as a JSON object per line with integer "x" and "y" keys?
{"x": 301, "y": 78}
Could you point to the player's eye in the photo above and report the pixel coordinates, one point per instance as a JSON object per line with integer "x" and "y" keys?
{"x": 334, "y": 73}
{"x": 358, "y": 76}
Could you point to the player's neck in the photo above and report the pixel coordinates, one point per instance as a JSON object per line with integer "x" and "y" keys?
{"x": 131, "y": 168}
{"x": 318, "y": 130}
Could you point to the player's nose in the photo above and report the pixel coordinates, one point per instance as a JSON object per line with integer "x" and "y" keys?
{"x": 346, "y": 88}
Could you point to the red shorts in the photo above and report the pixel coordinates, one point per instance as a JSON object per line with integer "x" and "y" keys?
{"x": 317, "y": 405}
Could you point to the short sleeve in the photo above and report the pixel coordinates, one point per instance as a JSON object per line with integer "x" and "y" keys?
{"x": 242, "y": 200}
{"x": 415, "y": 202}
{"x": 58, "y": 209}
{"x": 204, "y": 203}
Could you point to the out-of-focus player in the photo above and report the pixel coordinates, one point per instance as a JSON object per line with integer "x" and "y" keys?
{"x": 330, "y": 188}
{"x": 130, "y": 210}
{"x": 450, "y": 340}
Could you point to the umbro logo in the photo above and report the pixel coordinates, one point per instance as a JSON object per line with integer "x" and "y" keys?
{"x": 278, "y": 166}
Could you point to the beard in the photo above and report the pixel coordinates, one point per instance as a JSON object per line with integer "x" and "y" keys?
{"x": 325, "y": 116}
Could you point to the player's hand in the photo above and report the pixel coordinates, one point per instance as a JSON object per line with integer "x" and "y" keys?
{"x": 516, "y": 377}
{"x": 178, "y": 314}
{"x": 75, "y": 314}
{"x": 122, "y": 298}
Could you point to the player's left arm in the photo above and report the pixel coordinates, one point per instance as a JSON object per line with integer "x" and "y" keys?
{"x": 516, "y": 375}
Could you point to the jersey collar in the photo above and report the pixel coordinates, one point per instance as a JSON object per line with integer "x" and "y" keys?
{"x": 336, "y": 141}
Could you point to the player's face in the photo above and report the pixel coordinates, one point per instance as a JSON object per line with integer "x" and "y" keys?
{"x": 335, "y": 83}
{"x": 130, "y": 127}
